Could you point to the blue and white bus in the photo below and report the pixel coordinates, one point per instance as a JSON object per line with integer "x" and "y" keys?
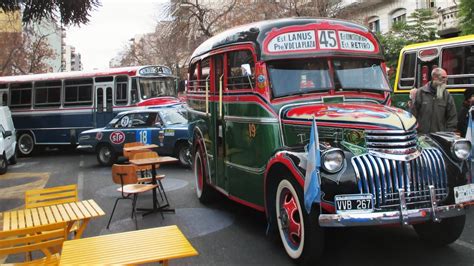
{"x": 53, "y": 108}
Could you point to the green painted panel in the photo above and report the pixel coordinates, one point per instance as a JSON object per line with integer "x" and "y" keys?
{"x": 245, "y": 185}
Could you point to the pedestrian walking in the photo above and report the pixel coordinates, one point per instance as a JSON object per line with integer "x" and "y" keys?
{"x": 433, "y": 106}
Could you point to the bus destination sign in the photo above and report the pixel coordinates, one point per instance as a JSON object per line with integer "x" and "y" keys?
{"x": 311, "y": 40}
{"x": 154, "y": 70}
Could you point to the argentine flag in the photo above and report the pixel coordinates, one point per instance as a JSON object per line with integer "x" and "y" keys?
{"x": 470, "y": 137}
{"x": 312, "y": 189}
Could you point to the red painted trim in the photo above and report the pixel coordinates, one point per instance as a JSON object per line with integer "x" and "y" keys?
{"x": 234, "y": 98}
{"x": 246, "y": 203}
{"x": 335, "y": 124}
{"x": 129, "y": 71}
{"x": 317, "y": 27}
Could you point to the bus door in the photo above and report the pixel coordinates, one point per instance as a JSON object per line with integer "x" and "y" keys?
{"x": 219, "y": 124}
{"x": 103, "y": 110}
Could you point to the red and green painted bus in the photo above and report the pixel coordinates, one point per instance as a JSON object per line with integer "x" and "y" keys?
{"x": 252, "y": 94}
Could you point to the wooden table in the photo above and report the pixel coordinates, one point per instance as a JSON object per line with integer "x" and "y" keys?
{"x": 81, "y": 211}
{"x": 141, "y": 147}
{"x": 153, "y": 162}
{"x": 133, "y": 247}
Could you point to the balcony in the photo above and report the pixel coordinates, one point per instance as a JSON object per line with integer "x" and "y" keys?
{"x": 358, "y": 4}
{"x": 448, "y": 22}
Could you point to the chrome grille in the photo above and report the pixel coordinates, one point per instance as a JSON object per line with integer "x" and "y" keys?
{"x": 384, "y": 177}
{"x": 392, "y": 144}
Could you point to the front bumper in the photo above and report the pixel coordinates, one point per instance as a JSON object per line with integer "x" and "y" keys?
{"x": 88, "y": 148}
{"x": 403, "y": 217}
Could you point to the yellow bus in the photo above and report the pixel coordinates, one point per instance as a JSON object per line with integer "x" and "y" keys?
{"x": 455, "y": 55}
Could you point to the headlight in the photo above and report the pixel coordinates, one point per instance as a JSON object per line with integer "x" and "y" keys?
{"x": 461, "y": 149}
{"x": 332, "y": 160}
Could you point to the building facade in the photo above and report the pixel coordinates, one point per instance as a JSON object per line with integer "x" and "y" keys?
{"x": 380, "y": 15}
{"x": 71, "y": 59}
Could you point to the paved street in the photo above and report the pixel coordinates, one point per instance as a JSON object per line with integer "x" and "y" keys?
{"x": 224, "y": 233}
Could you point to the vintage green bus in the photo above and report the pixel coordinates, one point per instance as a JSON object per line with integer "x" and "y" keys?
{"x": 252, "y": 94}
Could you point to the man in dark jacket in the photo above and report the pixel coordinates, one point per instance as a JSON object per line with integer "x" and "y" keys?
{"x": 433, "y": 106}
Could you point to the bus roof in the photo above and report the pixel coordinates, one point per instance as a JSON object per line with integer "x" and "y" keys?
{"x": 459, "y": 39}
{"x": 258, "y": 32}
{"x": 132, "y": 71}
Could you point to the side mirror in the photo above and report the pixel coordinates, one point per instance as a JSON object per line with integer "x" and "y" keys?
{"x": 158, "y": 124}
{"x": 7, "y": 133}
{"x": 246, "y": 70}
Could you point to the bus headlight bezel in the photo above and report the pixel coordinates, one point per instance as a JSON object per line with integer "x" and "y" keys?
{"x": 332, "y": 160}
{"x": 461, "y": 149}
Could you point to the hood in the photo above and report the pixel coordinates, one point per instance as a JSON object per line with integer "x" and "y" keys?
{"x": 92, "y": 131}
{"x": 351, "y": 115}
{"x": 160, "y": 101}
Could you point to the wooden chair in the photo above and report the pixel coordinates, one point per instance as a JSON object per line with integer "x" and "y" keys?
{"x": 147, "y": 168}
{"x": 126, "y": 176}
{"x": 129, "y": 154}
{"x": 50, "y": 196}
{"x": 48, "y": 239}
{"x": 152, "y": 154}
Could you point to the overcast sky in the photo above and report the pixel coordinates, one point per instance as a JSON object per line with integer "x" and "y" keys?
{"x": 110, "y": 28}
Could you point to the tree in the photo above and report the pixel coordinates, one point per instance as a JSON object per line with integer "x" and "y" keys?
{"x": 69, "y": 12}
{"x": 420, "y": 27}
{"x": 23, "y": 52}
{"x": 466, "y": 14}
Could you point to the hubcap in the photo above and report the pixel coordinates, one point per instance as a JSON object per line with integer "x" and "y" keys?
{"x": 105, "y": 154}
{"x": 26, "y": 144}
{"x": 290, "y": 218}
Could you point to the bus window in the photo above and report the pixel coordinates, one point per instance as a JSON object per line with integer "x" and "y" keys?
{"x": 48, "y": 94}
{"x": 121, "y": 84}
{"x": 193, "y": 83}
{"x": 235, "y": 78}
{"x": 20, "y": 95}
{"x": 407, "y": 79}
{"x": 134, "y": 91}
{"x": 204, "y": 74}
{"x": 78, "y": 92}
{"x": 104, "y": 79}
{"x": 459, "y": 63}
{"x": 109, "y": 99}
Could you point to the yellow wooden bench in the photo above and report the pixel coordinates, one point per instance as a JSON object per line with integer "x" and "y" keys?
{"x": 47, "y": 239}
{"x": 159, "y": 244}
{"x": 50, "y": 196}
{"x": 43, "y": 197}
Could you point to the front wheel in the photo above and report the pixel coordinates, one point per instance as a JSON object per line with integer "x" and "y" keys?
{"x": 183, "y": 154}
{"x": 300, "y": 233}
{"x": 106, "y": 155}
{"x": 13, "y": 159}
{"x": 443, "y": 233}
{"x": 203, "y": 191}
{"x": 3, "y": 164}
{"x": 26, "y": 144}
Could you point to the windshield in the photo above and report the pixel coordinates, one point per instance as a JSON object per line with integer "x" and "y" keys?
{"x": 299, "y": 76}
{"x": 290, "y": 77}
{"x": 359, "y": 74}
{"x": 155, "y": 87}
{"x": 173, "y": 116}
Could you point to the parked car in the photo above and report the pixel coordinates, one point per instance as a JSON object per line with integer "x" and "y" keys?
{"x": 7, "y": 139}
{"x": 166, "y": 127}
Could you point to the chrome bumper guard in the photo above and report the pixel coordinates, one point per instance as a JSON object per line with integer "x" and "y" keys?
{"x": 402, "y": 216}
{"x": 85, "y": 148}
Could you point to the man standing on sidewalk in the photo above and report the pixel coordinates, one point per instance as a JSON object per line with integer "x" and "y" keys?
{"x": 433, "y": 106}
